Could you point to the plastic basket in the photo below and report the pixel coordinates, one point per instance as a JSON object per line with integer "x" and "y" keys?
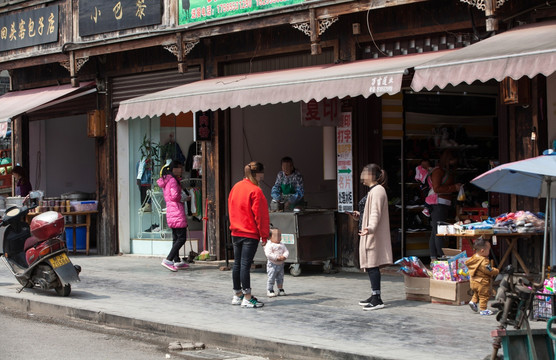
{"x": 543, "y": 306}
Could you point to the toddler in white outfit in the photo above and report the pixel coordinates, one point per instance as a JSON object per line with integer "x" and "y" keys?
{"x": 276, "y": 253}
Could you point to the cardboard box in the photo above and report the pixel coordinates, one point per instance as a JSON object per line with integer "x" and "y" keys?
{"x": 450, "y": 252}
{"x": 449, "y": 292}
{"x": 417, "y": 288}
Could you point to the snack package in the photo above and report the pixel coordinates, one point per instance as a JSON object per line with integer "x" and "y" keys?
{"x": 441, "y": 270}
{"x": 413, "y": 266}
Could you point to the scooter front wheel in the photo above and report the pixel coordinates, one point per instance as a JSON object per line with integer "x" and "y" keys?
{"x": 63, "y": 290}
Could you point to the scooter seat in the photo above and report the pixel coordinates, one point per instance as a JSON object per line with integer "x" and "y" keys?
{"x": 30, "y": 242}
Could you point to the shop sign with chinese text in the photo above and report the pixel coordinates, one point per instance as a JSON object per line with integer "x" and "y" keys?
{"x": 29, "y": 28}
{"x": 344, "y": 163}
{"x": 322, "y": 113}
{"x": 382, "y": 85}
{"x": 101, "y": 16}
{"x": 191, "y": 11}
{"x": 202, "y": 126}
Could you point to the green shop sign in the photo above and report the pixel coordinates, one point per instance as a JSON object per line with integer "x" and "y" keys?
{"x": 192, "y": 11}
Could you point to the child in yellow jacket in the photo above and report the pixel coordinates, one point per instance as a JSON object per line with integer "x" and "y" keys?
{"x": 481, "y": 273}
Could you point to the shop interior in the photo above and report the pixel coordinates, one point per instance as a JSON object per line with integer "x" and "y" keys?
{"x": 154, "y": 142}
{"x": 61, "y": 168}
{"x": 461, "y": 120}
{"x": 267, "y": 134}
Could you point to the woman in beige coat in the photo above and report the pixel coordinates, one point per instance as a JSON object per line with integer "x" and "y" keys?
{"x": 375, "y": 245}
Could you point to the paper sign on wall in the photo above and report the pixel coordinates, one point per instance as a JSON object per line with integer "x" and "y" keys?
{"x": 344, "y": 163}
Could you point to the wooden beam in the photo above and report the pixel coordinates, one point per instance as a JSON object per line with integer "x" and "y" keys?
{"x": 323, "y": 10}
{"x": 425, "y": 30}
{"x": 34, "y": 61}
{"x": 350, "y": 7}
{"x": 274, "y": 51}
{"x": 315, "y": 38}
{"x": 182, "y": 65}
{"x": 128, "y": 45}
{"x": 73, "y": 73}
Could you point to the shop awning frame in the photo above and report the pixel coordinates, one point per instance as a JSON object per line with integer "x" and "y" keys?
{"x": 13, "y": 104}
{"x": 528, "y": 50}
{"x": 364, "y": 77}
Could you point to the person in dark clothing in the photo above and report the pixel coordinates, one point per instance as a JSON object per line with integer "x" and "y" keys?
{"x": 444, "y": 186}
{"x": 23, "y": 185}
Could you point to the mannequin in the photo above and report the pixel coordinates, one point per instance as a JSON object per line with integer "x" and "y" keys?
{"x": 144, "y": 180}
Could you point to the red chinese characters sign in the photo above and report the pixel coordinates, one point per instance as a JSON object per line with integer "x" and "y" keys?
{"x": 321, "y": 113}
{"x": 344, "y": 163}
{"x": 203, "y": 126}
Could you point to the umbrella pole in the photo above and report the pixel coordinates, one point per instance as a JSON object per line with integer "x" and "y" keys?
{"x": 546, "y": 216}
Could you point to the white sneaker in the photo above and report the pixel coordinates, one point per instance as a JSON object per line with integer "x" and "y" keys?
{"x": 270, "y": 293}
{"x": 236, "y": 300}
{"x": 251, "y": 303}
{"x": 281, "y": 292}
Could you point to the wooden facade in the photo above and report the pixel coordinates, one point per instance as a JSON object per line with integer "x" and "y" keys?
{"x": 397, "y": 27}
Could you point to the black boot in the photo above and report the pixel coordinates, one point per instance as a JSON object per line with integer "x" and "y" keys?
{"x": 375, "y": 303}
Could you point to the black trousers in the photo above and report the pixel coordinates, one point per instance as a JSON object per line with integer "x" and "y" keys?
{"x": 179, "y": 236}
{"x": 439, "y": 213}
{"x": 374, "y": 277}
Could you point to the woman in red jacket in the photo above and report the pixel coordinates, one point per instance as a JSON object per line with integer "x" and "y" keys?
{"x": 249, "y": 224}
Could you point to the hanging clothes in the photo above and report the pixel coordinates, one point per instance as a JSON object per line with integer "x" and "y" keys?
{"x": 172, "y": 150}
{"x": 192, "y": 151}
{"x": 193, "y": 202}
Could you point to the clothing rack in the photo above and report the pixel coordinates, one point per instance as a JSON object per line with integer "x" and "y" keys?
{"x": 192, "y": 182}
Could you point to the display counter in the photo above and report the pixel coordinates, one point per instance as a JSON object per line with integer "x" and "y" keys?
{"x": 309, "y": 235}
{"x": 511, "y": 241}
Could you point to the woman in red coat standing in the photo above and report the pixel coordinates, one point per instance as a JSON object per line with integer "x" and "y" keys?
{"x": 249, "y": 224}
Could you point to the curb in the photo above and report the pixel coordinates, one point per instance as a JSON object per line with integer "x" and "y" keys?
{"x": 252, "y": 345}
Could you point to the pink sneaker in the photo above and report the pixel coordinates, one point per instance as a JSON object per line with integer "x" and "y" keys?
{"x": 169, "y": 265}
{"x": 181, "y": 265}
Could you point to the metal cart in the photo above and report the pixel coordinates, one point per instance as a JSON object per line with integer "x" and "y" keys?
{"x": 309, "y": 235}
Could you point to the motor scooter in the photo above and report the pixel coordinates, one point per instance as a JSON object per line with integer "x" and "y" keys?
{"x": 35, "y": 254}
{"x": 514, "y": 300}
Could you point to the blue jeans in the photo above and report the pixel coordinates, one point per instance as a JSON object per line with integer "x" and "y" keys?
{"x": 244, "y": 252}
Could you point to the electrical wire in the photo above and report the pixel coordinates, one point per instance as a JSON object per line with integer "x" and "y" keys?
{"x": 370, "y": 33}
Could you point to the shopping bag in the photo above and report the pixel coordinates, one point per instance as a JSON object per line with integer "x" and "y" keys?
{"x": 461, "y": 194}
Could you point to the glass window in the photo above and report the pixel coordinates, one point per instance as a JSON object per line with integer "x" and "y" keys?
{"x": 154, "y": 143}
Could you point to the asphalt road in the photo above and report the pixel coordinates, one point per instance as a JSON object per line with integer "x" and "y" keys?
{"x": 26, "y": 336}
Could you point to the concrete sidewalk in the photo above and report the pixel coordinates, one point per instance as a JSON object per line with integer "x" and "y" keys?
{"x": 320, "y": 317}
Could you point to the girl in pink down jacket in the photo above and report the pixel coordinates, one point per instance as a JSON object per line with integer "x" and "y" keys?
{"x": 174, "y": 197}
